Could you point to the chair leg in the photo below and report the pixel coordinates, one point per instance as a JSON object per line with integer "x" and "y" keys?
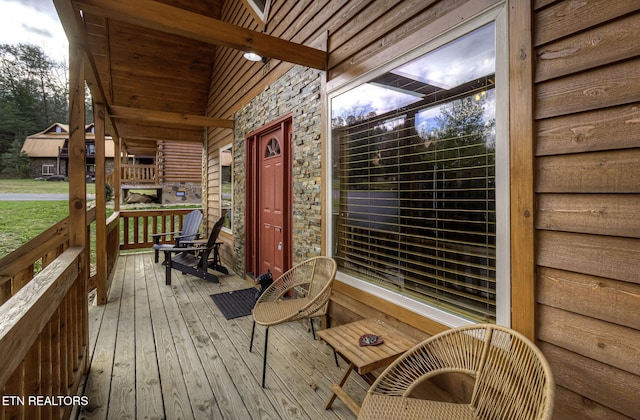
{"x": 313, "y": 330}
{"x": 167, "y": 273}
{"x": 264, "y": 363}
{"x": 253, "y": 331}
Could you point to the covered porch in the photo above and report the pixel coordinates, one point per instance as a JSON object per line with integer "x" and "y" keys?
{"x": 160, "y": 351}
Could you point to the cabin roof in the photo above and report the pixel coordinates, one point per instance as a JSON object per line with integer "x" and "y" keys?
{"x": 42, "y": 148}
{"x": 49, "y": 141}
{"x": 151, "y": 63}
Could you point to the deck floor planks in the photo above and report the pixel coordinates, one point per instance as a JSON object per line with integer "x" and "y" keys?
{"x": 201, "y": 359}
{"x": 98, "y": 382}
{"x": 288, "y": 404}
{"x": 200, "y": 394}
{"x": 259, "y": 402}
{"x": 122, "y": 399}
{"x": 148, "y": 389}
{"x": 289, "y": 367}
{"x": 228, "y": 398}
{"x": 325, "y": 372}
{"x": 174, "y": 389}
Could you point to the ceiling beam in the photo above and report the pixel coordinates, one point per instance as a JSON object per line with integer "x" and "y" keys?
{"x": 153, "y": 132}
{"x": 137, "y": 114}
{"x": 158, "y": 16}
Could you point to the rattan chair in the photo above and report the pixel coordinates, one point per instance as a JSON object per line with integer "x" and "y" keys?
{"x": 512, "y": 378}
{"x": 301, "y": 293}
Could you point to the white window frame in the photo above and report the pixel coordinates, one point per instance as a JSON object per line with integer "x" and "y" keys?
{"x": 261, "y": 14}
{"x": 220, "y": 152}
{"x": 51, "y": 166}
{"x": 497, "y": 14}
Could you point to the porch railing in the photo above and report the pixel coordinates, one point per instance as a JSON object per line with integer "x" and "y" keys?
{"x": 44, "y": 311}
{"x": 139, "y": 174}
{"x": 139, "y": 225}
{"x": 44, "y": 341}
{"x": 44, "y": 324}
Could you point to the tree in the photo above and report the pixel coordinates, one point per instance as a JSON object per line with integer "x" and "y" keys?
{"x": 33, "y": 93}
{"x": 14, "y": 161}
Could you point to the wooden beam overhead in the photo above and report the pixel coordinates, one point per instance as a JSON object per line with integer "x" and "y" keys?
{"x": 129, "y": 130}
{"x": 161, "y": 17}
{"x": 147, "y": 115}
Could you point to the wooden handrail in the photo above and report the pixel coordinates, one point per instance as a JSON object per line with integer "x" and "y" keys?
{"x": 23, "y": 317}
{"x": 18, "y": 268}
{"x": 44, "y": 338}
{"x": 16, "y": 261}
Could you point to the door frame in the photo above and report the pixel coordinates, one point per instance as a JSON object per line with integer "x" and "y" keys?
{"x": 252, "y": 191}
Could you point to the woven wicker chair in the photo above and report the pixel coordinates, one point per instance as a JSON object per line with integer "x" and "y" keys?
{"x": 512, "y": 378}
{"x": 301, "y": 293}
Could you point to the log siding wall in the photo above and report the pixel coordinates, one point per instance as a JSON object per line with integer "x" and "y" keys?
{"x": 587, "y": 145}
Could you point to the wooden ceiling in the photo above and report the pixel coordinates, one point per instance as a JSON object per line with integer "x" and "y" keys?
{"x": 150, "y": 62}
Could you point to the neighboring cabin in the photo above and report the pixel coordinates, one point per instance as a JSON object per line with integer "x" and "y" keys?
{"x": 174, "y": 171}
{"x": 48, "y": 151}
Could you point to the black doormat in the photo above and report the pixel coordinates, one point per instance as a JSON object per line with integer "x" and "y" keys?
{"x": 237, "y": 303}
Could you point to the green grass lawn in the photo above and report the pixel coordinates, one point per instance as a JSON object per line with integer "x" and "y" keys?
{"x": 21, "y": 221}
{"x": 23, "y": 186}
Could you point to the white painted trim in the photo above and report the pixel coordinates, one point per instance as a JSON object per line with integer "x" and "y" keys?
{"x": 498, "y": 14}
{"x": 220, "y": 151}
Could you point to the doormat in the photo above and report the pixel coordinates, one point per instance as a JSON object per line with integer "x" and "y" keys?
{"x": 236, "y": 303}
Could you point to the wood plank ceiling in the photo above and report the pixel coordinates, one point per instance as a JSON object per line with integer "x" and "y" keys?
{"x": 151, "y": 63}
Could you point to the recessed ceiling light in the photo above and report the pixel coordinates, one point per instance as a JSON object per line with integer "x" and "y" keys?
{"x": 251, "y": 56}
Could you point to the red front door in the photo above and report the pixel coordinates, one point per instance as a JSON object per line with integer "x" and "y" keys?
{"x": 272, "y": 195}
{"x": 269, "y": 199}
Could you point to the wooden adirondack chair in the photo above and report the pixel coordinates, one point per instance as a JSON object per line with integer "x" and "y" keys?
{"x": 189, "y": 232}
{"x": 193, "y": 257}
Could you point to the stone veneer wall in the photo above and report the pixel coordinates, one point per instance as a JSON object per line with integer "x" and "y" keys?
{"x": 297, "y": 92}
{"x": 181, "y": 193}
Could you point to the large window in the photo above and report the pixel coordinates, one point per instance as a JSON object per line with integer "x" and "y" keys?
{"x": 414, "y": 178}
{"x": 226, "y": 185}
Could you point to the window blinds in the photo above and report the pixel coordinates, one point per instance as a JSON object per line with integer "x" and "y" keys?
{"x": 416, "y": 208}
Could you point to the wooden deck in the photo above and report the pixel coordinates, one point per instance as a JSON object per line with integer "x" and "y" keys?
{"x": 167, "y": 352}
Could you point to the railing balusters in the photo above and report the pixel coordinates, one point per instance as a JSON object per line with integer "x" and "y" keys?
{"x": 32, "y": 382}
{"x": 136, "y": 233}
{"x": 56, "y": 357}
{"x": 14, "y": 388}
{"x": 51, "y": 354}
{"x": 139, "y": 174}
{"x": 138, "y": 225}
{"x": 46, "y": 368}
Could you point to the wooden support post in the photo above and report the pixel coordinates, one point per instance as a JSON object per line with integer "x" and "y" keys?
{"x": 77, "y": 211}
{"x": 101, "y": 204}
{"x": 521, "y": 131}
{"x": 117, "y": 170}
{"x": 77, "y": 158}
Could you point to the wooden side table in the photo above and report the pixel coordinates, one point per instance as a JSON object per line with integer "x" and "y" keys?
{"x": 345, "y": 340}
